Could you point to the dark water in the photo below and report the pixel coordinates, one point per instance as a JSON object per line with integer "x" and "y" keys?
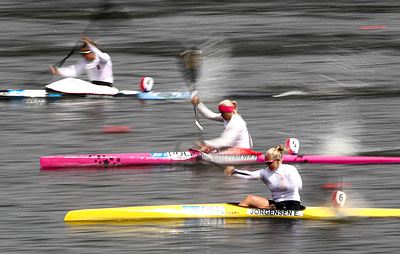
{"x": 302, "y": 69}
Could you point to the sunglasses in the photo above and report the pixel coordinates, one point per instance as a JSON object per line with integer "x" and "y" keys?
{"x": 270, "y": 162}
{"x": 85, "y": 52}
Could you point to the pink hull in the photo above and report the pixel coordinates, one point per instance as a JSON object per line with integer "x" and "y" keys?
{"x": 109, "y": 160}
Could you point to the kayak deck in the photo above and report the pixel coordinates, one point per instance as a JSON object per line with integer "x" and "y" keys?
{"x": 220, "y": 211}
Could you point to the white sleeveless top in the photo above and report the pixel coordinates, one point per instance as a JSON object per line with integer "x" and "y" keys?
{"x": 99, "y": 69}
{"x": 284, "y": 182}
{"x": 235, "y": 132}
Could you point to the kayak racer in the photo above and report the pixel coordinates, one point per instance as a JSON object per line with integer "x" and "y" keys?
{"x": 97, "y": 65}
{"x": 235, "y": 132}
{"x": 283, "y": 181}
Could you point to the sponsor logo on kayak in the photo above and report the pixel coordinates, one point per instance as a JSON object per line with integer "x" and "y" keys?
{"x": 275, "y": 212}
{"x": 159, "y": 155}
{"x": 173, "y": 155}
{"x": 23, "y": 93}
{"x": 204, "y": 210}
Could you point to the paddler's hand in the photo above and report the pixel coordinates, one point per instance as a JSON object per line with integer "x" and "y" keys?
{"x": 199, "y": 144}
{"x": 203, "y": 147}
{"x": 195, "y": 99}
{"x": 207, "y": 149}
{"x": 53, "y": 70}
{"x": 86, "y": 40}
{"x": 228, "y": 170}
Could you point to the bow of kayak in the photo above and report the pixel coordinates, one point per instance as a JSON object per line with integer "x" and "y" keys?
{"x": 326, "y": 159}
{"x": 110, "y": 160}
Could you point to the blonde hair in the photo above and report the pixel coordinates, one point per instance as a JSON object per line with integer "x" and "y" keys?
{"x": 276, "y": 152}
{"x": 230, "y": 103}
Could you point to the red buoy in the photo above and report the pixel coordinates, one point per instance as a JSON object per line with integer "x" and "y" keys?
{"x": 146, "y": 84}
{"x": 332, "y": 186}
{"x": 116, "y": 129}
{"x": 372, "y": 27}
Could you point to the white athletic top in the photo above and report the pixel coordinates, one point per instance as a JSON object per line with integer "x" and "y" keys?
{"x": 284, "y": 182}
{"x": 235, "y": 132}
{"x": 99, "y": 69}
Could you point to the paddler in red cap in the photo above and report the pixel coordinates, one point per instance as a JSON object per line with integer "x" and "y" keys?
{"x": 235, "y": 132}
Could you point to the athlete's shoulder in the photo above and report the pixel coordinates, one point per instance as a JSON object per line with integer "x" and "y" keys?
{"x": 289, "y": 167}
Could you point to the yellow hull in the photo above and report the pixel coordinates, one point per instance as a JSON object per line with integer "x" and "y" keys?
{"x": 220, "y": 211}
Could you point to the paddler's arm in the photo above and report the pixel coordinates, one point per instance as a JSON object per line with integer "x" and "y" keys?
{"x": 243, "y": 174}
{"x": 207, "y": 113}
{"x": 293, "y": 180}
{"x": 70, "y": 71}
{"x": 104, "y": 57}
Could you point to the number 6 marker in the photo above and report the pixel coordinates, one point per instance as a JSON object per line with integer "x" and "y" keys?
{"x": 338, "y": 199}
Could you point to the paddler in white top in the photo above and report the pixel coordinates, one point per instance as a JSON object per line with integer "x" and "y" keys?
{"x": 283, "y": 181}
{"x": 97, "y": 65}
{"x": 235, "y": 132}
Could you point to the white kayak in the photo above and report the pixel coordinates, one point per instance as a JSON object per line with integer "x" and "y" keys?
{"x": 72, "y": 87}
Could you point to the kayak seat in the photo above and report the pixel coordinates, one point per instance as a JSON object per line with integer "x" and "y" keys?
{"x": 237, "y": 204}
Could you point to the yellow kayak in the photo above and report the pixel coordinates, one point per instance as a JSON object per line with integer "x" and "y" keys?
{"x": 220, "y": 211}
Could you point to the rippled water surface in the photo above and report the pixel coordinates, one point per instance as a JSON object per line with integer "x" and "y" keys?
{"x": 325, "y": 72}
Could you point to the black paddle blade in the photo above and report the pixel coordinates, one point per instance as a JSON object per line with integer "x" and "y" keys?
{"x": 193, "y": 61}
{"x": 110, "y": 10}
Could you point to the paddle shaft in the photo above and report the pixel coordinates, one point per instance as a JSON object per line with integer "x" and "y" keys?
{"x": 62, "y": 61}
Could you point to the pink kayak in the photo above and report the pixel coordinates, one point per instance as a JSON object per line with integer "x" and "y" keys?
{"x": 326, "y": 159}
{"x": 229, "y": 156}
